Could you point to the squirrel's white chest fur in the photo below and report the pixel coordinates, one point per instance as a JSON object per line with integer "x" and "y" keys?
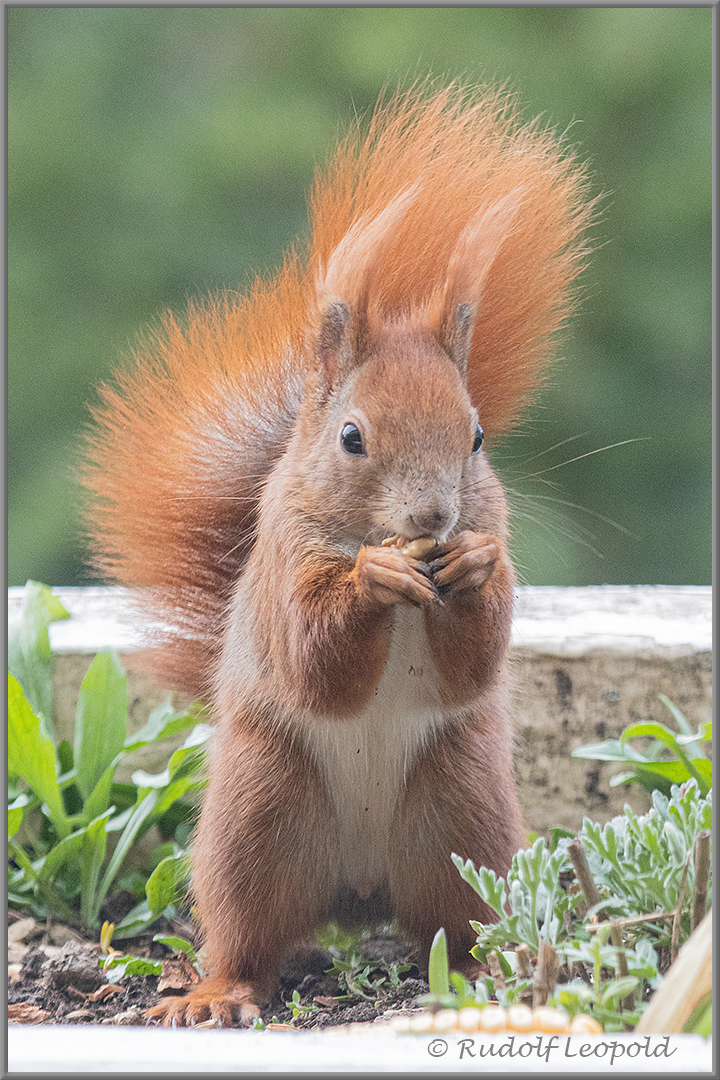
{"x": 366, "y": 760}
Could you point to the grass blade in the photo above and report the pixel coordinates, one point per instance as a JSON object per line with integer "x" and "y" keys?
{"x": 101, "y": 720}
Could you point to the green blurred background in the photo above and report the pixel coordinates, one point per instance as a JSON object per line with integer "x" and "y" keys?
{"x": 159, "y": 153}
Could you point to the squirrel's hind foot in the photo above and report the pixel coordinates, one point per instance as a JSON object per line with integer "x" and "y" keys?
{"x": 221, "y": 1000}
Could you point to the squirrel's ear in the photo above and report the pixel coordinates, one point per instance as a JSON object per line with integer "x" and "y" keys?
{"x": 334, "y": 346}
{"x": 457, "y": 335}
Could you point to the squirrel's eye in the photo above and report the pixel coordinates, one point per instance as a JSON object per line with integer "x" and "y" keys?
{"x": 351, "y": 440}
{"x": 478, "y": 440}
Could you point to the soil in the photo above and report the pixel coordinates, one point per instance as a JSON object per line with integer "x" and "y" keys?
{"x": 65, "y": 983}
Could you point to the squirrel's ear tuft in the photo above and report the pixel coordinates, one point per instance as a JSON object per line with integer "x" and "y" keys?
{"x": 457, "y": 335}
{"x": 334, "y": 346}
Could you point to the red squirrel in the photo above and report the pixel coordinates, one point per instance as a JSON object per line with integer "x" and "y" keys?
{"x": 252, "y": 470}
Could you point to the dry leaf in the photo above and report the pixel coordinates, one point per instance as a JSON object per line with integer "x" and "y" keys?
{"x": 104, "y": 992}
{"x": 24, "y": 1013}
{"x": 16, "y": 952}
{"x": 328, "y": 1001}
{"x": 177, "y": 974}
{"x": 80, "y": 1014}
{"x": 59, "y": 934}
{"x": 132, "y": 1017}
{"x": 20, "y": 930}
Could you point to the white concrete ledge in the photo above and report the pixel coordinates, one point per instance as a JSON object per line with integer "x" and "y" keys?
{"x": 561, "y": 621}
{"x": 639, "y": 619}
{"x": 79, "y": 1049}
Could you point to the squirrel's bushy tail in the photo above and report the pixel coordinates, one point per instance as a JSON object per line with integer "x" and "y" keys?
{"x": 446, "y": 198}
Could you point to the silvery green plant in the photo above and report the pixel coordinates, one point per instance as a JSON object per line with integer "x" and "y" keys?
{"x": 639, "y": 862}
{"x": 533, "y": 892}
{"x": 640, "y": 865}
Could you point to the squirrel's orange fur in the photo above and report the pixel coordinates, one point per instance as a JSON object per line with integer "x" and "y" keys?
{"x": 363, "y": 727}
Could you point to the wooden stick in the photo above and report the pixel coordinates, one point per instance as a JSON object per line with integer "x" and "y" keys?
{"x": 702, "y": 870}
{"x": 582, "y": 872}
{"x": 545, "y": 974}
{"x": 622, "y": 968}
{"x": 622, "y": 923}
{"x": 524, "y": 966}
{"x": 675, "y": 939}
{"x": 524, "y": 970}
{"x": 495, "y": 970}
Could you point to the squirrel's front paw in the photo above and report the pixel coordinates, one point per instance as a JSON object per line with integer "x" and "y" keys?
{"x": 385, "y": 576}
{"x": 465, "y": 562}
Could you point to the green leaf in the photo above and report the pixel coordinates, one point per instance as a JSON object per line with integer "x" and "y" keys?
{"x": 618, "y": 988}
{"x": 99, "y": 799}
{"x": 101, "y": 720}
{"x": 438, "y": 970}
{"x": 15, "y": 814}
{"x": 145, "y": 805}
{"x": 135, "y": 921}
{"x": 485, "y": 882}
{"x": 700, "y": 1022}
{"x": 17, "y": 854}
{"x": 30, "y": 658}
{"x": 31, "y": 755}
{"x": 704, "y": 767}
{"x": 163, "y": 722}
{"x": 63, "y": 852}
{"x": 654, "y": 782}
{"x": 120, "y": 966}
{"x": 186, "y": 759}
{"x": 680, "y": 719}
{"x": 505, "y": 965}
{"x": 174, "y": 791}
{"x": 177, "y": 944}
{"x": 650, "y": 729}
{"x": 163, "y": 885}
{"x": 557, "y": 834}
{"x": 674, "y": 771}
{"x": 609, "y": 750}
{"x": 65, "y": 756}
{"x": 92, "y": 858}
{"x": 668, "y": 737}
{"x": 677, "y": 772}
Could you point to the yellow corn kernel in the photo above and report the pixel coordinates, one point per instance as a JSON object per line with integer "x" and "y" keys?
{"x": 469, "y": 1018}
{"x": 585, "y": 1025}
{"x": 421, "y": 1023}
{"x": 401, "y": 1024}
{"x": 492, "y": 1018}
{"x": 445, "y": 1020}
{"x": 550, "y": 1021}
{"x": 519, "y": 1018}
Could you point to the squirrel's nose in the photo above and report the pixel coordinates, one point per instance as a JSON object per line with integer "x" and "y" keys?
{"x": 433, "y": 520}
